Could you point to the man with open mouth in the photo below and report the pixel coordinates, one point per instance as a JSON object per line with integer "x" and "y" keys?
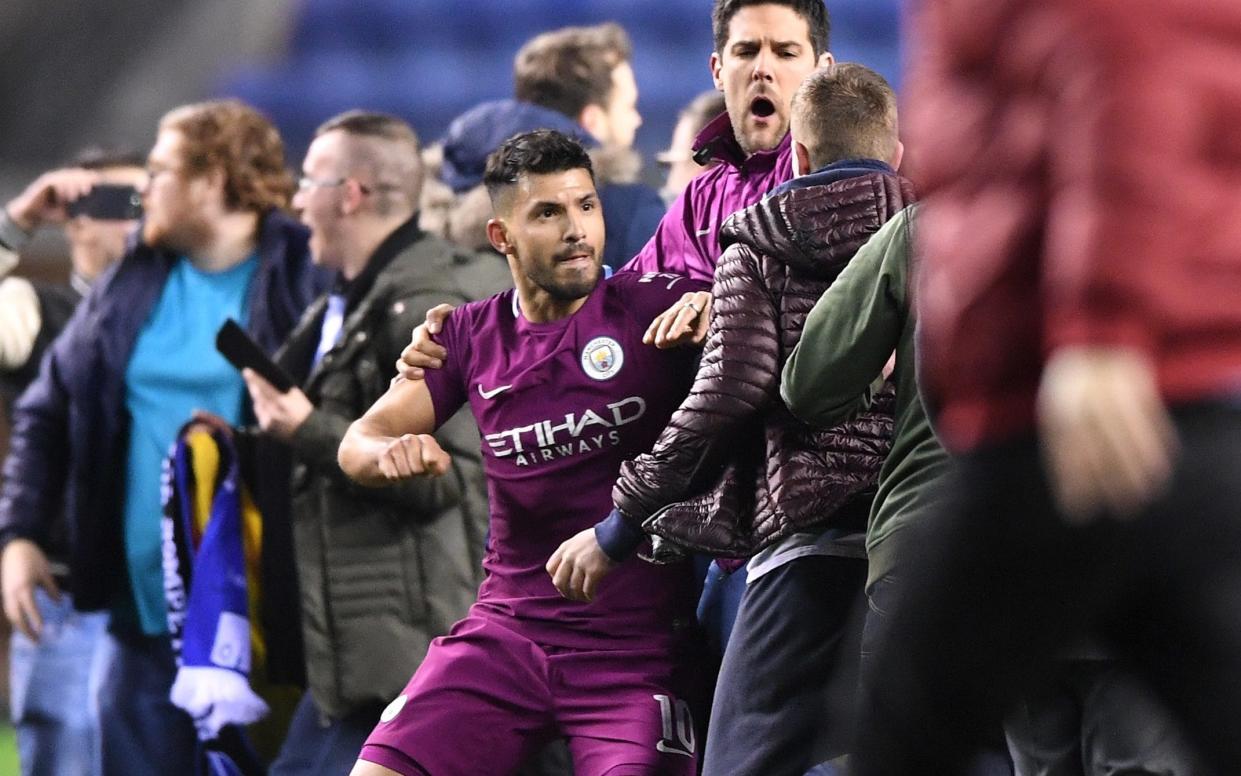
{"x": 763, "y": 51}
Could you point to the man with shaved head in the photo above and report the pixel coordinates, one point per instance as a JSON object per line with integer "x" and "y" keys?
{"x": 382, "y": 571}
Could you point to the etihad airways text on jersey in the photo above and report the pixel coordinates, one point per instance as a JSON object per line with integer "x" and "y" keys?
{"x": 583, "y": 432}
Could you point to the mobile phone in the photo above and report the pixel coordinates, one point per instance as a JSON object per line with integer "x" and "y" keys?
{"x": 242, "y": 352}
{"x": 107, "y": 202}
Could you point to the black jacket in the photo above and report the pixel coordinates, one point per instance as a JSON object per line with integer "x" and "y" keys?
{"x": 382, "y": 571}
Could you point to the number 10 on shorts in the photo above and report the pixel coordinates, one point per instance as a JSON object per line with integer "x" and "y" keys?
{"x": 678, "y": 726}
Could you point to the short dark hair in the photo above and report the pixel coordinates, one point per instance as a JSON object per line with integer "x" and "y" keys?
{"x": 568, "y": 69}
{"x": 814, "y": 12}
{"x": 104, "y": 158}
{"x": 845, "y": 111}
{"x": 539, "y": 152}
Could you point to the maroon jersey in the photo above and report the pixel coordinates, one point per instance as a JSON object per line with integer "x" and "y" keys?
{"x": 560, "y": 405}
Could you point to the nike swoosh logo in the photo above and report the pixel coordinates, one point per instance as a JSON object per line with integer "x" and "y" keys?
{"x": 703, "y": 232}
{"x": 499, "y": 389}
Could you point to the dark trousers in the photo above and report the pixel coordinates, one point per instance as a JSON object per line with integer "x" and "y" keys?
{"x": 317, "y": 745}
{"x": 791, "y": 634}
{"x": 1094, "y": 718}
{"x": 142, "y": 732}
{"x": 991, "y": 759}
{"x": 999, "y": 584}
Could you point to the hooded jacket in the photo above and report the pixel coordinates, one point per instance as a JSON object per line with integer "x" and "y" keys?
{"x": 1080, "y": 161}
{"x": 734, "y": 471}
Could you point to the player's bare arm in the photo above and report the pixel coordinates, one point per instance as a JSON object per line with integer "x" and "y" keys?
{"x": 422, "y": 352}
{"x": 392, "y": 441}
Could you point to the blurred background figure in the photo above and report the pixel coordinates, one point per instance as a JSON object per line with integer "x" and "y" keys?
{"x": 134, "y": 363}
{"x": 33, "y": 313}
{"x": 1080, "y": 317}
{"x": 53, "y": 677}
{"x": 678, "y": 158}
{"x": 577, "y": 80}
{"x": 435, "y": 205}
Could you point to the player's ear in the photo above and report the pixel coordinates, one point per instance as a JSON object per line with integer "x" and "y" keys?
{"x": 497, "y": 235}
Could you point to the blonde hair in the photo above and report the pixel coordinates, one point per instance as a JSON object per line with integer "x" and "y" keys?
{"x": 845, "y": 111}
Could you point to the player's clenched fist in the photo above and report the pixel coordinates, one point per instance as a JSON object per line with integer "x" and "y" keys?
{"x": 578, "y": 565}
{"x": 413, "y": 455}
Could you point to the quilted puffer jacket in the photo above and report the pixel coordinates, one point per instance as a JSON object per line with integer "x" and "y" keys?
{"x": 734, "y": 471}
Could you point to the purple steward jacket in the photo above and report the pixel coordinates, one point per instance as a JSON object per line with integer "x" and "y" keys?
{"x": 687, "y": 241}
{"x": 734, "y": 471}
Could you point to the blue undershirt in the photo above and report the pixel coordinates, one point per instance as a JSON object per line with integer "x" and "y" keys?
{"x": 174, "y": 370}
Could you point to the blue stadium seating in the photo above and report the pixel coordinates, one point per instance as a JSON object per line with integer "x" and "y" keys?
{"x": 429, "y": 60}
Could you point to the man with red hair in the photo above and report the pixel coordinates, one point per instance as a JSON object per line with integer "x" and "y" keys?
{"x": 135, "y": 362}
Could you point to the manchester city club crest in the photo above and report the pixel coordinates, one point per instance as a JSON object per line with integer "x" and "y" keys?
{"x": 602, "y": 358}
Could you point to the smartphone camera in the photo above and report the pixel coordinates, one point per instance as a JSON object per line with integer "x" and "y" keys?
{"x": 108, "y": 202}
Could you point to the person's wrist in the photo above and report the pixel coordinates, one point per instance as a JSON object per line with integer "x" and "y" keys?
{"x": 618, "y": 537}
{"x": 14, "y": 231}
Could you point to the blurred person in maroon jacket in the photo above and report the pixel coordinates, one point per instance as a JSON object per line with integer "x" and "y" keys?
{"x": 1081, "y": 313}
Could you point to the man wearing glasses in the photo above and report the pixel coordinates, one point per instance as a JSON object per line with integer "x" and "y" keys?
{"x": 382, "y": 571}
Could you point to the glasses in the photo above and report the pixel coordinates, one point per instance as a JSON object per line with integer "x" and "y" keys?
{"x": 154, "y": 171}
{"x": 306, "y": 183}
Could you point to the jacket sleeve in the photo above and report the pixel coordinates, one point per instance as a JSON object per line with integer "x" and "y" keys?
{"x": 737, "y": 378}
{"x": 20, "y": 321}
{"x": 672, "y": 248}
{"x": 8, "y": 260}
{"x": 851, "y": 332}
{"x": 318, "y": 439}
{"x": 36, "y": 468}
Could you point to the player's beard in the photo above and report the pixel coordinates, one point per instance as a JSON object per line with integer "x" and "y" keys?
{"x": 571, "y": 285}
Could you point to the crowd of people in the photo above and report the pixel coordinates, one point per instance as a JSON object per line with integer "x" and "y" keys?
{"x": 800, "y": 465}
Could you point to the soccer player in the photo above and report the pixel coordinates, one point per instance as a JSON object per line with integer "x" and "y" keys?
{"x": 563, "y": 390}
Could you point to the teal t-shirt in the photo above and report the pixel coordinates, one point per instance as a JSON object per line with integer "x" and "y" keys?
{"x": 174, "y": 370}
